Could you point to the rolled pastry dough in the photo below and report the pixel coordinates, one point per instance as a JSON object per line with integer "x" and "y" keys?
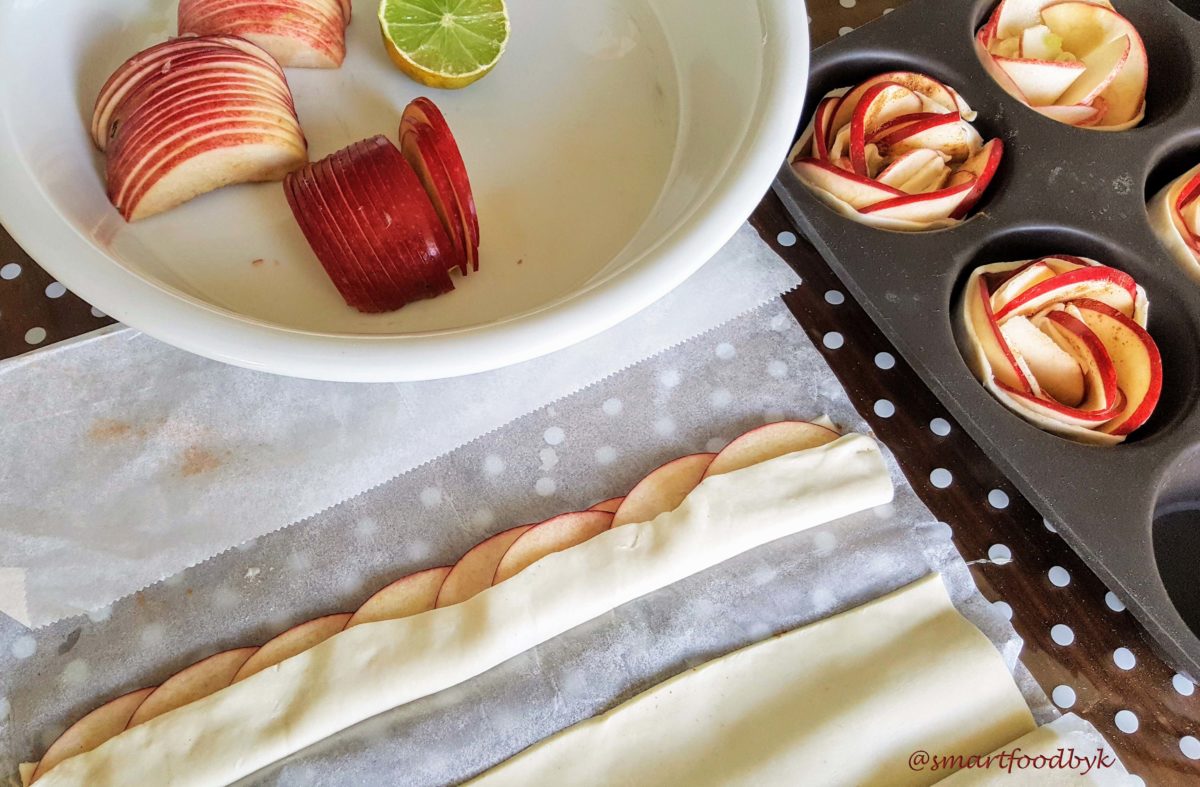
{"x": 371, "y": 668}
{"x": 1068, "y": 733}
{"x": 844, "y": 701}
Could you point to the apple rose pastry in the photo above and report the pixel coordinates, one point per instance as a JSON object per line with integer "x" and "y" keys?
{"x": 1061, "y": 341}
{"x": 1175, "y": 216}
{"x": 1075, "y": 61}
{"x": 896, "y": 152}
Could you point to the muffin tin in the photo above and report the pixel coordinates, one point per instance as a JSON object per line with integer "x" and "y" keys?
{"x": 1131, "y": 511}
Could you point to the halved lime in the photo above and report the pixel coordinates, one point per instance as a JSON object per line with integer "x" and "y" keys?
{"x": 444, "y": 43}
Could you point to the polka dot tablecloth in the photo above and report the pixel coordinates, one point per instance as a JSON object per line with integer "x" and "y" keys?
{"x": 1081, "y": 644}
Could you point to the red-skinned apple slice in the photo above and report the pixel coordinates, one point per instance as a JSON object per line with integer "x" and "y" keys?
{"x": 923, "y": 207}
{"x": 1044, "y": 363}
{"x": 357, "y": 172}
{"x": 1041, "y": 82}
{"x": 882, "y": 102}
{"x": 1136, "y": 359}
{"x": 1103, "y": 66}
{"x": 1013, "y": 16}
{"x": 915, "y": 171}
{"x": 295, "y": 640}
{"x": 299, "y": 33}
{"x": 769, "y": 442}
{"x": 1098, "y": 282}
{"x": 1102, "y": 397}
{"x": 327, "y": 239}
{"x": 610, "y": 505}
{"x": 663, "y": 489}
{"x": 983, "y": 166}
{"x": 921, "y": 84}
{"x": 994, "y": 358}
{"x": 407, "y": 596}
{"x": 956, "y": 138}
{"x": 151, "y": 62}
{"x": 821, "y": 120}
{"x": 195, "y": 682}
{"x": 417, "y": 148}
{"x": 554, "y": 535}
{"x": 423, "y": 112}
{"x": 92, "y": 730}
{"x": 474, "y": 573}
{"x": 854, "y": 190}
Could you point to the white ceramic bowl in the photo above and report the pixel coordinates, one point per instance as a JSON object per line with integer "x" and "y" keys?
{"x": 614, "y": 149}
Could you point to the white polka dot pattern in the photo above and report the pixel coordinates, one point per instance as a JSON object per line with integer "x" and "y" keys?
{"x": 885, "y": 360}
{"x": 1126, "y": 721}
{"x": 1063, "y": 696}
{"x": 1124, "y": 658}
{"x": 998, "y": 498}
{"x": 941, "y": 478}
{"x": 1059, "y": 576}
{"x": 1000, "y": 554}
{"x": 1183, "y": 685}
{"x": 1062, "y": 634}
{"x": 940, "y": 427}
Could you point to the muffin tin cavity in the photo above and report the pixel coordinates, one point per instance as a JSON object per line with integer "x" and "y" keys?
{"x": 1059, "y": 191}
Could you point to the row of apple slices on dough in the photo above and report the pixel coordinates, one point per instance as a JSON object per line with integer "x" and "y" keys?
{"x": 191, "y": 115}
{"x": 298, "y": 33}
{"x": 1076, "y": 61}
{"x": 388, "y": 224}
{"x": 1062, "y": 342}
{"x": 488, "y": 563}
{"x": 898, "y": 152}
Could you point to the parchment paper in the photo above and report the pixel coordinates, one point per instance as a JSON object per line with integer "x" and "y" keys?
{"x": 590, "y": 446}
{"x": 123, "y": 460}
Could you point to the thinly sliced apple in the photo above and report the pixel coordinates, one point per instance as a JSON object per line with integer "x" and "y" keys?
{"x": 92, "y": 730}
{"x": 295, "y": 640}
{"x": 1086, "y": 27}
{"x": 912, "y": 126}
{"x": 610, "y": 505}
{"x": 422, "y": 112}
{"x": 298, "y": 33}
{"x": 663, "y": 489}
{"x": 1102, "y": 392}
{"x": 923, "y": 207}
{"x": 1013, "y": 16}
{"x": 982, "y": 166}
{"x": 920, "y": 84}
{"x": 1103, "y": 65}
{"x": 957, "y": 139}
{"x": 474, "y": 572}
{"x": 994, "y": 359}
{"x": 821, "y": 119}
{"x": 1055, "y": 371}
{"x": 1136, "y": 359}
{"x": 1041, "y": 81}
{"x": 195, "y": 682}
{"x": 406, "y": 596}
{"x": 554, "y": 535}
{"x": 1078, "y": 115}
{"x": 916, "y": 171}
{"x": 769, "y": 442}
{"x": 854, "y": 190}
{"x": 1098, "y": 282}
{"x": 882, "y": 102}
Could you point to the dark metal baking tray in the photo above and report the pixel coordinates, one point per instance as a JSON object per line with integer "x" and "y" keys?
{"x": 1131, "y": 511}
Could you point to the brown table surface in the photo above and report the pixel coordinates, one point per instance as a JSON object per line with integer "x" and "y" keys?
{"x": 35, "y": 312}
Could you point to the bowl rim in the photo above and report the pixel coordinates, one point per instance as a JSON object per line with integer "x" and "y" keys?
{"x": 190, "y": 323}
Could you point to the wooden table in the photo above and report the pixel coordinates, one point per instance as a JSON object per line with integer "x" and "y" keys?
{"x": 1071, "y": 631}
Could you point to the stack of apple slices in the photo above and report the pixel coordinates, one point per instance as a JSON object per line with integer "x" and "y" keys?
{"x": 1076, "y": 61}
{"x": 896, "y": 152}
{"x": 191, "y": 115}
{"x": 1175, "y": 216}
{"x": 389, "y": 224}
{"x": 1061, "y": 341}
{"x": 489, "y": 563}
{"x": 298, "y": 33}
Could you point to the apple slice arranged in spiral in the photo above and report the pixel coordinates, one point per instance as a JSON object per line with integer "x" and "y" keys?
{"x": 1078, "y": 62}
{"x": 192, "y": 115}
{"x": 389, "y": 224}
{"x": 1175, "y": 216}
{"x": 1062, "y": 342}
{"x": 897, "y": 152}
{"x": 490, "y": 562}
{"x": 297, "y": 33}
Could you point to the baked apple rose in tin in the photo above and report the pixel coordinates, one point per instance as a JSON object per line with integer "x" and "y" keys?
{"x": 1061, "y": 341}
{"x": 896, "y": 152}
{"x": 1175, "y": 216}
{"x": 1075, "y": 61}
